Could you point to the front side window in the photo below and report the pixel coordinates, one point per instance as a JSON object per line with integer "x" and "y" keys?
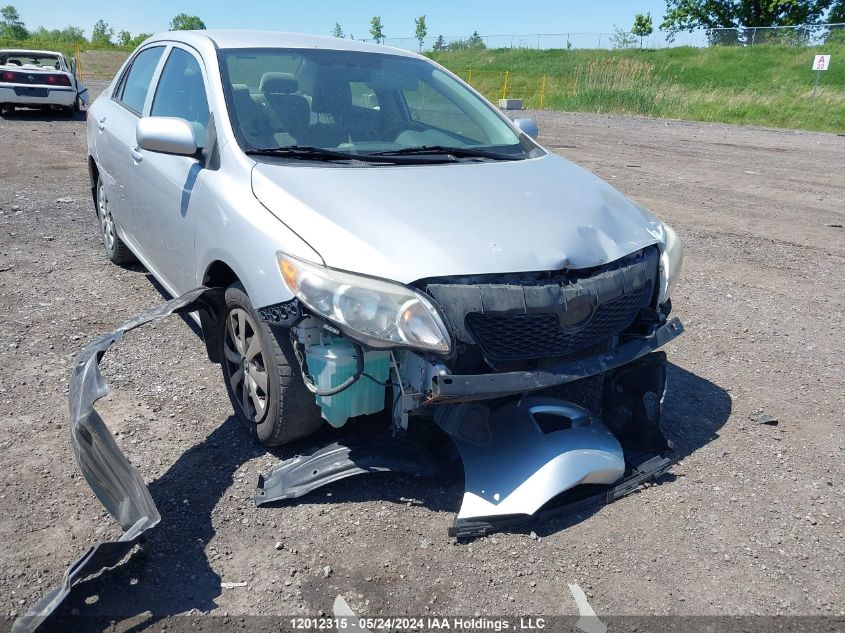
{"x": 358, "y": 103}
{"x": 181, "y": 92}
{"x": 136, "y": 83}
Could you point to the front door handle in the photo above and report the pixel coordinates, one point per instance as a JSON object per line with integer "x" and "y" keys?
{"x": 101, "y": 123}
{"x": 137, "y": 156}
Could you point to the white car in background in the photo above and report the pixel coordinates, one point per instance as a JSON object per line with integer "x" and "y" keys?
{"x": 39, "y": 79}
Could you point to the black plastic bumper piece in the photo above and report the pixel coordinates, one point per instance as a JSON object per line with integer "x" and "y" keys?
{"x": 117, "y": 484}
{"x": 642, "y": 469}
{"x": 354, "y": 455}
{"x": 467, "y": 388}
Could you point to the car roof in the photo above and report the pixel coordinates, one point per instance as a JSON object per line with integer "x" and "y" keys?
{"x": 29, "y": 50}
{"x": 223, "y": 39}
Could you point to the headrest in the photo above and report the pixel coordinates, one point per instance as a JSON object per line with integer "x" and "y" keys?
{"x": 278, "y": 83}
{"x": 240, "y": 91}
{"x": 331, "y": 96}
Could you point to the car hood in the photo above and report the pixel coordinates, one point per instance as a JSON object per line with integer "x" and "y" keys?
{"x": 412, "y": 222}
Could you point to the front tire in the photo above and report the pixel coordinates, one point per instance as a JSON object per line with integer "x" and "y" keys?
{"x": 262, "y": 375}
{"x": 116, "y": 250}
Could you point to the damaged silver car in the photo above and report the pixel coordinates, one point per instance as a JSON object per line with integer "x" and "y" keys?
{"x": 383, "y": 239}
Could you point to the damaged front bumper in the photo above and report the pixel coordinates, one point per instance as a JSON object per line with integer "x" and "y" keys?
{"x": 454, "y": 388}
{"x": 494, "y": 497}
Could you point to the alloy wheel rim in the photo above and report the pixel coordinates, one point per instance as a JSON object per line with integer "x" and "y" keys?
{"x": 106, "y": 220}
{"x": 247, "y": 371}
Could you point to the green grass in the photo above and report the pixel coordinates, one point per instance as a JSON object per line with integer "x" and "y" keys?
{"x": 763, "y": 85}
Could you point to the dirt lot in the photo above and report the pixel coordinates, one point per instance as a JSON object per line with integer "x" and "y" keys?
{"x": 751, "y": 522}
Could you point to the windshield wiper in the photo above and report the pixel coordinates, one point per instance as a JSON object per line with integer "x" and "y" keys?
{"x": 456, "y": 152}
{"x": 307, "y": 152}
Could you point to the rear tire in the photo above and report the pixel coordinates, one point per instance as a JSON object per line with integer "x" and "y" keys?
{"x": 262, "y": 375}
{"x": 116, "y": 250}
{"x": 72, "y": 110}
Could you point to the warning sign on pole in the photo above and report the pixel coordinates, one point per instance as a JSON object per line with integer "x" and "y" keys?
{"x": 821, "y": 62}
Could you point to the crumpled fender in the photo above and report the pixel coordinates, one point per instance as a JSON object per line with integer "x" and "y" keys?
{"x": 116, "y": 483}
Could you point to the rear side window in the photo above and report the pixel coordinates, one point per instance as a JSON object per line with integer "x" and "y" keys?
{"x": 181, "y": 91}
{"x": 136, "y": 83}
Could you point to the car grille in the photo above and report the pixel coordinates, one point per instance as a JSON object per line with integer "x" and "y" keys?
{"x": 507, "y": 337}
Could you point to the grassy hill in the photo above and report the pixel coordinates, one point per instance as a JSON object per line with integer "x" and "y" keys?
{"x": 761, "y": 85}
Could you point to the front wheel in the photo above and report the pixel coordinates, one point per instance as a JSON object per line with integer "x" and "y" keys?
{"x": 262, "y": 375}
{"x": 117, "y": 251}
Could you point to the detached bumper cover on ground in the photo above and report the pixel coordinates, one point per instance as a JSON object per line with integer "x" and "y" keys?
{"x": 117, "y": 484}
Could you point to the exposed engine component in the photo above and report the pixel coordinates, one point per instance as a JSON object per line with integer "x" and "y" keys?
{"x": 346, "y": 380}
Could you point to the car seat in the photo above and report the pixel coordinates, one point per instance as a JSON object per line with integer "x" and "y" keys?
{"x": 331, "y": 101}
{"x": 250, "y": 118}
{"x": 290, "y": 109}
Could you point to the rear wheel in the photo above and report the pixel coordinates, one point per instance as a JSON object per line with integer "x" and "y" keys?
{"x": 71, "y": 110}
{"x": 262, "y": 375}
{"x": 117, "y": 251}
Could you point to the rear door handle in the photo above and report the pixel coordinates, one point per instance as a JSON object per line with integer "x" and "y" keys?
{"x": 101, "y": 123}
{"x": 137, "y": 156}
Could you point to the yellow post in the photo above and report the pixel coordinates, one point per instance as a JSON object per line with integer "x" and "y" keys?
{"x": 469, "y": 77}
{"x": 78, "y": 62}
{"x": 505, "y": 85}
{"x": 543, "y": 93}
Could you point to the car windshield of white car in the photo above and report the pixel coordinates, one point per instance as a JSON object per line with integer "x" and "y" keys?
{"x": 289, "y": 104}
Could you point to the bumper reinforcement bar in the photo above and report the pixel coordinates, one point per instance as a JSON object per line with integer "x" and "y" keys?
{"x": 454, "y": 388}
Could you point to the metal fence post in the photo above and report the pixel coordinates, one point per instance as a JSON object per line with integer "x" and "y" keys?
{"x": 505, "y": 85}
{"x": 543, "y": 93}
{"x": 469, "y": 77}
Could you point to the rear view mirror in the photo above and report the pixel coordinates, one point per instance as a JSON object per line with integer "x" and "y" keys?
{"x": 528, "y": 127}
{"x": 73, "y": 65}
{"x": 168, "y": 135}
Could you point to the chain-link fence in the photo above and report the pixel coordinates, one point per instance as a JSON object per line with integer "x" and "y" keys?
{"x": 801, "y": 35}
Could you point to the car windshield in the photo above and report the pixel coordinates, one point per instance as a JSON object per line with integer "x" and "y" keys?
{"x": 17, "y": 58}
{"x": 327, "y": 104}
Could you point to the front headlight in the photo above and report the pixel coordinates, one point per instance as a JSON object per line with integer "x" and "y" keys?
{"x": 375, "y": 312}
{"x": 671, "y": 260}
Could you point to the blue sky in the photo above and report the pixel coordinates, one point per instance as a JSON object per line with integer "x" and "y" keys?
{"x": 446, "y": 17}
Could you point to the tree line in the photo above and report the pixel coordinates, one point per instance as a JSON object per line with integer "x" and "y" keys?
{"x": 12, "y": 27}
{"x": 420, "y": 33}
{"x": 681, "y": 15}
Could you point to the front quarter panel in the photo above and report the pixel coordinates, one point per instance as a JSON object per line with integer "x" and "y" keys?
{"x": 234, "y": 228}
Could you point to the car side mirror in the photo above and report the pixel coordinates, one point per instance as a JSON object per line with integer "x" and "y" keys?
{"x": 165, "y": 134}
{"x": 528, "y": 127}
{"x": 73, "y": 65}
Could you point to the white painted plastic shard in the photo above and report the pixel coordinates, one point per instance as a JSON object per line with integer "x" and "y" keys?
{"x": 540, "y": 448}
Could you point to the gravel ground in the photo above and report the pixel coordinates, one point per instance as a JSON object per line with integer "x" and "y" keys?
{"x": 750, "y": 522}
